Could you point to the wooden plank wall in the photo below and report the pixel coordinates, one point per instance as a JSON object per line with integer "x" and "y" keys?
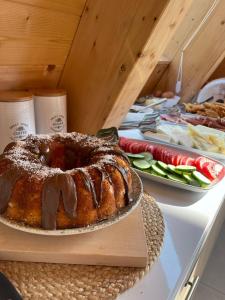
{"x": 117, "y": 46}
{"x": 219, "y": 72}
{"x": 205, "y": 53}
{"x": 166, "y": 80}
{"x": 204, "y": 58}
{"x": 35, "y": 39}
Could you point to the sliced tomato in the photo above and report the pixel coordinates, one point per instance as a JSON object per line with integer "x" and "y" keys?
{"x": 169, "y": 157}
{"x": 200, "y": 161}
{"x": 209, "y": 170}
{"x": 178, "y": 159}
{"x": 183, "y": 160}
{"x": 149, "y": 148}
{"x": 222, "y": 173}
{"x": 190, "y": 161}
{"x": 133, "y": 147}
{"x": 173, "y": 160}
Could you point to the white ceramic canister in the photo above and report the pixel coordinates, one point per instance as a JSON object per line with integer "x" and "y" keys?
{"x": 16, "y": 116}
{"x": 50, "y": 110}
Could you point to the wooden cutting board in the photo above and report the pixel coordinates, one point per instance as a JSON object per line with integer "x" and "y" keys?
{"x": 122, "y": 244}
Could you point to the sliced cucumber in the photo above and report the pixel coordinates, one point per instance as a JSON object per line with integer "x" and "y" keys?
{"x": 162, "y": 165}
{"x": 184, "y": 168}
{"x": 158, "y": 170}
{"x": 150, "y": 171}
{"x": 177, "y": 171}
{"x": 152, "y": 162}
{"x": 188, "y": 177}
{"x": 176, "y": 178}
{"x": 131, "y": 155}
{"x": 147, "y": 156}
{"x": 141, "y": 164}
{"x": 171, "y": 168}
{"x": 156, "y": 174}
{"x": 201, "y": 178}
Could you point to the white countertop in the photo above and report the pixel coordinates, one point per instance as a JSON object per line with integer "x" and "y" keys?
{"x": 188, "y": 218}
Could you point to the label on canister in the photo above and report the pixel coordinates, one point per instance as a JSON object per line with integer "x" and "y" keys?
{"x": 57, "y": 123}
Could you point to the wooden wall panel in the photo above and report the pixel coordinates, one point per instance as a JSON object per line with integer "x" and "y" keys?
{"x": 36, "y": 35}
{"x": 189, "y": 24}
{"x": 25, "y": 76}
{"x": 155, "y": 77}
{"x": 205, "y": 53}
{"x": 74, "y": 7}
{"x": 117, "y": 46}
{"x": 219, "y": 72}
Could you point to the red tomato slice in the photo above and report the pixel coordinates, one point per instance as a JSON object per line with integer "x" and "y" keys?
{"x": 173, "y": 160}
{"x": 149, "y": 148}
{"x": 190, "y": 161}
{"x": 169, "y": 157}
{"x": 183, "y": 160}
{"x": 209, "y": 170}
{"x": 178, "y": 160}
{"x": 200, "y": 161}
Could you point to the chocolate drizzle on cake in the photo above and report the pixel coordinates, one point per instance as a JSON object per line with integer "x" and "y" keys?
{"x": 103, "y": 177}
{"x": 90, "y": 186}
{"x": 7, "y": 182}
{"x": 56, "y": 187}
{"x": 125, "y": 179}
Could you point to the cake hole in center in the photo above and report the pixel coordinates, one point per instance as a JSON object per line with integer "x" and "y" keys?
{"x": 66, "y": 157}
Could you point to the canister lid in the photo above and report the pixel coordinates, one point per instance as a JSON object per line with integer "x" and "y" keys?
{"x": 15, "y": 96}
{"x": 49, "y": 92}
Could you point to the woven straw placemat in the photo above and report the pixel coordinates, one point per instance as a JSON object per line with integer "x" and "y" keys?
{"x": 66, "y": 282}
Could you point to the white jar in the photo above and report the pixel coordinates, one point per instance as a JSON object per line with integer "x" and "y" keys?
{"x": 16, "y": 116}
{"x": 50, "y": 110}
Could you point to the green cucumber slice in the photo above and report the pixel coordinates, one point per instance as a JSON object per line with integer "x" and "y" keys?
{"x": 162, "y": 165}
{"x": 184, "y": 168}
{"x": 171, "y": 168}
{"x": 201, "y": 178}
{"x": 156, "y": 174}
{"x": 188, "y": 177}
{"x": 158, "y": 170}
{"x": 153, "y": 162}
{"x": 177, "y": 171}
{"x": 147, "y": 156}
{"x": 176, "y": 178}
{"x": 141, "y": 164}
{"x": 131, "y": 155}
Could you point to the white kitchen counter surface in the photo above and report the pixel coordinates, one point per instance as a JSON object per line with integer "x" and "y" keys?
{"x": 188, "y": 218}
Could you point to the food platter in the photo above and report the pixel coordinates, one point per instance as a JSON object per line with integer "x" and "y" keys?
{"x": 175, "y": 167}
{"x": 136, "y": 195}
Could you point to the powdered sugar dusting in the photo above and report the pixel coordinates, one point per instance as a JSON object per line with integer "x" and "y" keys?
{"x": 25, "y": 155}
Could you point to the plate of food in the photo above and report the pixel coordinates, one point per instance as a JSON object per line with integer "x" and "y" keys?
{"x": 173, "y": 166}
{"x": 66, "y": 184}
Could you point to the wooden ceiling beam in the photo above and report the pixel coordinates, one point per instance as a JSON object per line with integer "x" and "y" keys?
{"x": 116, "y": 48}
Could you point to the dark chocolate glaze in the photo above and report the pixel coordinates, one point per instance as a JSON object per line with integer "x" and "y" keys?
{"x": 60, "y": 185}
{"x": 7, "y": 183}
{"x": 90, "y": 186}
{"x": 103, "y": 177}
{"x": 123, "y": 173}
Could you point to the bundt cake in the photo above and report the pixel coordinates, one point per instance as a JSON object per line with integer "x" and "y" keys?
{"x": 63, "y": 180}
